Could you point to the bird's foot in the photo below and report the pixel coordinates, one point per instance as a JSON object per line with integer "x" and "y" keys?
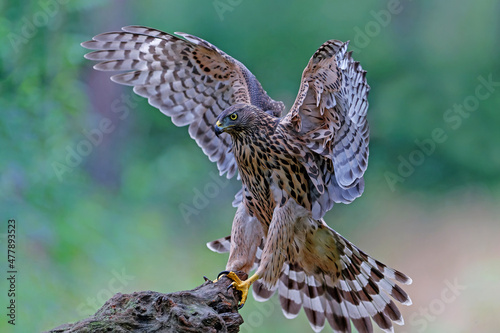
{"x": 242, "y": 286}
{"x": 221, "y": 274}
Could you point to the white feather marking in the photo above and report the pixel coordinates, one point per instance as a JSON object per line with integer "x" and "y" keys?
{"x": 408, "y": 302}
{"x": 389, "y": 272}
{"x": 399, "y": 321}
{"x": 179, "y": 98}
{"x": 352, "y": 310}
{"x": 312, "y": 303}
{"x": 386, "y": 285}
{"x": 379, "y": 302}
{"x": 362, "y": 280}
{"x": 289, "y": 315}
{"x": 344, "y": 286}
{"x": 354, "y": 285}
{"x": 366, "y": 268}
{"x": 209, "y": 245}
{"x": 291, "y": 294}
{"x": 177, "y": 86}
{"x": 191, "y": 93}
{"x": 369, "y": 308}
{"x": 372, "y": 262}
{"x": 388, "y": 330}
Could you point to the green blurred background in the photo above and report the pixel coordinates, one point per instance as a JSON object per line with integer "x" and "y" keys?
{"x": 113, "y": 221}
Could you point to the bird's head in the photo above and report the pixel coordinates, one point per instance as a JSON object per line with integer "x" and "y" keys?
{"x": 236, "y": 119}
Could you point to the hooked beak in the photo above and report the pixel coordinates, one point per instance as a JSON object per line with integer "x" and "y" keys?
{"x": 218, "y": 128}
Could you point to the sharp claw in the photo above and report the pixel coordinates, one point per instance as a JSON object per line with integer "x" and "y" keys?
{"x": 241, "y": 286}
{"x": 206, "y": 279}
{"x": 222, "y": 273}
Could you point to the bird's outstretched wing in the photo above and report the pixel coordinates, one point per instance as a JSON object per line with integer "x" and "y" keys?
{"x": 189, "y": 80}
{"x": 329, "y": 115}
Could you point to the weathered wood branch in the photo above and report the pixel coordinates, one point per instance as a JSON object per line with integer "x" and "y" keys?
{"x": 210, "y": 307}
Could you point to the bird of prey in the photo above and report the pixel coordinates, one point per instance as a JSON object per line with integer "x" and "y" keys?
{"x": 293, "y": 168}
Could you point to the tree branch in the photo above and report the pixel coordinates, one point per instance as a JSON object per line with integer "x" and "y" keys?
{"x": 210, "y": 307}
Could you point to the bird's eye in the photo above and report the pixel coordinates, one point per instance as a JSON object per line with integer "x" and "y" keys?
{"x": 233, "y": 116}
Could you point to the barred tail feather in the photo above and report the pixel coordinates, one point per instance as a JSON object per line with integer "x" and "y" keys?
{"x": 261, "y": 292}
{"x": 314, "y": 302}
{"x": 221, "y": 245}
{"x": 361, "y": 294}
{"x": 291, "y": 282}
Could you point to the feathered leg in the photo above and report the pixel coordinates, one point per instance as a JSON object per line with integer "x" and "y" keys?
{"x": 246, "y": 235}
{"x": 276, "y": 252}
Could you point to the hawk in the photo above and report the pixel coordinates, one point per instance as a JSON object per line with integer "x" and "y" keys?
{"x": 293, "y": 168}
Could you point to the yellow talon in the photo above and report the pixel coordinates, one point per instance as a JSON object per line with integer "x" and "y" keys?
{"x": 242, "y": 286}
{"x": 220, "y": 274}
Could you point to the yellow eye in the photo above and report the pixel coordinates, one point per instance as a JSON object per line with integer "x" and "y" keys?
{"x": 233, "y": 116}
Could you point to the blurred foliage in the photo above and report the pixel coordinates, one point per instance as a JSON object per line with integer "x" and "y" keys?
{"x": 120, "y": 207}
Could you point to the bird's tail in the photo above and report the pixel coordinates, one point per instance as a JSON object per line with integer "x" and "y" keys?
{"x": 362, "y": 290}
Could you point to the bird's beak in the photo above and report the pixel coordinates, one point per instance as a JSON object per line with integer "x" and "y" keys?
{"x": 218, "y": 128}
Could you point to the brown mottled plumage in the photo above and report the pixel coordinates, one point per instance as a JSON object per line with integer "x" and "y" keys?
{"x": 293, "y": 168}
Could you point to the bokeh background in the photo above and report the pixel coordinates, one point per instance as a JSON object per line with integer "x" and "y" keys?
{"x": 135, "y": 210}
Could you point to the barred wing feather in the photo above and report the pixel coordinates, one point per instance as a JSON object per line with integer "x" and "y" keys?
{"x": 189, "y": 80}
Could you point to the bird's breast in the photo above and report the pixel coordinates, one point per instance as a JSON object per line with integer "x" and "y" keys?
{"x": 271, "y": 178}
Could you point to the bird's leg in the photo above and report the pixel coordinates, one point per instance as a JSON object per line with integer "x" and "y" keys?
{"x": 278, "y": 248}
{"x": 273, "y": 255}
{"x": 246, "y": 236}
{"x": 243, "y": 286}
